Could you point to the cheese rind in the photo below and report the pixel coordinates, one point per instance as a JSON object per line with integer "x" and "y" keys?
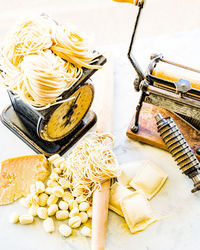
{"x": 17, "y": 174}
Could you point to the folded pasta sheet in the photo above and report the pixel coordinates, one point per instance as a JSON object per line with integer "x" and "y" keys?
{"x": 128, "y": 171}
{"x": 149, "y": 179}
{"x": 117, "y": 193}
{"x": 137, "y": 211}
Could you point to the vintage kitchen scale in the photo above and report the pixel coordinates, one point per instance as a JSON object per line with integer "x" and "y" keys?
{"x": 167, "y": 88}
{"x": 55, "y": 129}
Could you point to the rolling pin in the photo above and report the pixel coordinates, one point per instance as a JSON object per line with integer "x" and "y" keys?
{"x": 104, "y": 109}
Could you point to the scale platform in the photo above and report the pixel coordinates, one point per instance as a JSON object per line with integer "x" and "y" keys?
{"x": 148, "y": 129}
{"x": 23, "y": 128}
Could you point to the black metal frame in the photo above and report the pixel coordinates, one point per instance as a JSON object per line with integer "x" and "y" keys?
{"x": 142, "y": 81}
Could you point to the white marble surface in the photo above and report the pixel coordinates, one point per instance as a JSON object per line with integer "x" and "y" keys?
{"x": 177, "y": 208}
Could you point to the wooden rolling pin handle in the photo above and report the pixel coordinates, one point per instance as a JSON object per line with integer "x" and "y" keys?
{"x": 99, "y": 216}
{"x": 104, "y": 109}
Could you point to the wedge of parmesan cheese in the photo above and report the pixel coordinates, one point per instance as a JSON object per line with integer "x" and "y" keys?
{"x": 17, "y": 174}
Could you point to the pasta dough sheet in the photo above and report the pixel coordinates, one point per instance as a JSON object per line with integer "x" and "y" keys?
{"x": 128, "y": 171}
{"x": 149, "y": 179}
{"x": 137, "y": 211}
{"x": 117, "y": 192}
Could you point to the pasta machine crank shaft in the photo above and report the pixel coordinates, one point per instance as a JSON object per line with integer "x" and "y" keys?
{"x": 179, "y": 148}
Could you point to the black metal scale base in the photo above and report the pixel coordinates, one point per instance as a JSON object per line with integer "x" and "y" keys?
{"x": 25, "y": 130}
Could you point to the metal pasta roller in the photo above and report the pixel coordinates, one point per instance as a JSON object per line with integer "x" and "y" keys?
{"x": 169, "y": 88}
{"x": 179, "y": 148}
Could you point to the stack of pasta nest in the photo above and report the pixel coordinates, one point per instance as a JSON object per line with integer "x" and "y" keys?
{"x": 41, "y": 59}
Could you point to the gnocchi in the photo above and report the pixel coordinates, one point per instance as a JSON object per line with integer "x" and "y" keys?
{"x": 40, "y": 187}
{"x": 25, "y": 219}
{"x": 43, "y": 199}
{"x": 14, "y": 217}
{"x": 52, "y": 209}
{"x": 89, "y": 212}
{"x": 84, "y": 206}
{"x": 65, "y": 230}
{"x": 67, "y": 196}
{"x": 86, "y": 231}
{"x": 52, "y": 200}
{"x": 58, "y": 191}
{"x": 84, "y": 217}
{"x": 33, "y": 210}
{"x": 62, "y": 215}
{"x": 63, "y": 205}
{"x": 64, "y": 183}
{"x": 74, "y": 212}
{"x": 42, "y": 212}
{"x": 48, "y": 225}
{"x": 75, "y": 221}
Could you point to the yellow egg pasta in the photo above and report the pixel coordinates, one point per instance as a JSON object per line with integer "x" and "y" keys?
{"x": 149, "y": 179}
{"x": 117, "y": 192}
{"x": 137, "y": 211}
{"x": 41, "y": 60}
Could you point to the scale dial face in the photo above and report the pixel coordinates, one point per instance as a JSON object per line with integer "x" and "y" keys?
{"x": 69, "y": 114}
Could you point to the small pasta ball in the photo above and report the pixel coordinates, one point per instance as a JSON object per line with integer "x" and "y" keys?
{"x": 75, "y": 221}
{"x": 74, "y": 212}
{"x": 64, "y": 183}
{"x": 40, "y": 187}
{"x": 62, "y": 215}
{"x": 63, "y": 166}
{"x": 81, "y": 198}
{"x": 84, "y": 217}
{"x": 48, "y": 225}
{"x": 57, "y": 171}
{"x": 42, "y": 212}
{"x": 43, "y": 199}
{"x": 33, "y": 210}
{"x": 54, "y": 176}
{"x": 58, "y": 191}
{"x": 48, "y": 190}
{"x": 51, "y": 183}
{"x": 84, "y": 206}
{"x": 29, "y": 200}
{"x": 77, "y": 192}
{"x": 72, "y": 204}
{"x": 25, "y": 219}
{"x": 86, "y": 231}
{"x": 52, "y": 158}
{"x": 63, "y": 205}
{"x": 33, "y": 198}
{"x": 32, "y": 189}
{"x": 67, "y": 196}
{"x": 25, "y": 203}
{"x": 14, "y": 217}
{"x": 52, "y": 200}
{"x": 65, "y": 230}
{"x": 89, "y": 212}
{"x": 52, "y": 209}
{"x": 58, "y": 162}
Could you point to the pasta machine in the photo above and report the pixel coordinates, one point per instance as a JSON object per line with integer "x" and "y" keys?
{"x": 168, "y": 86}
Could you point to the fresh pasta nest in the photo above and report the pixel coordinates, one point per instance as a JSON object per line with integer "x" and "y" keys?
{"x": 41, "y": 60}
